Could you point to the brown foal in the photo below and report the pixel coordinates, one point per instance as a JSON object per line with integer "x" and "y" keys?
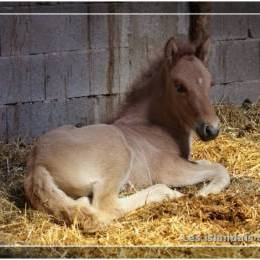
{"x": 148, "y": 144}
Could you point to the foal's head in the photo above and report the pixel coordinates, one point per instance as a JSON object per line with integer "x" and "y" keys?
{"x": 188, "y": 83}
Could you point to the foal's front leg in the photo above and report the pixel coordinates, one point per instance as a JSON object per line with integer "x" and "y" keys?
{"x": 155, "y": 193}
{"x": 185, "y": 173}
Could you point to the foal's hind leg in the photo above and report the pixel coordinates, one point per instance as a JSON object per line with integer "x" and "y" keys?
{"x": 187, "y": 173}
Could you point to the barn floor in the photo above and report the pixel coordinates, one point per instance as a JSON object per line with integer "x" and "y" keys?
{"x": 173, "y": 223}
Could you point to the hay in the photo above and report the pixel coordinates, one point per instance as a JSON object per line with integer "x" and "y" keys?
{"x": 234, "y": 211}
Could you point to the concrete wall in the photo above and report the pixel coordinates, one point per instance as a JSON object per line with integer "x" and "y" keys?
{"x": 235, "y": 60}
{"x": 58, "y": 70}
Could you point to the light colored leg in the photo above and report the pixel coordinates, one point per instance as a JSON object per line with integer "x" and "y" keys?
{"x": 106, "y": 205}
{"x": 220, "y": 180}
{"x": 155, "y": 193}
{"x": 84, "y": 201}
{"x": 187, "y": 173}
{"x": 203, "y": 162}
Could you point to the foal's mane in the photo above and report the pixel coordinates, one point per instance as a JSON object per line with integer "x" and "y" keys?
{"x": 142, "y": 86}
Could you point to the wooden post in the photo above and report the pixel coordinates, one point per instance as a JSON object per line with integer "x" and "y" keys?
{"x": 200, "y": 24}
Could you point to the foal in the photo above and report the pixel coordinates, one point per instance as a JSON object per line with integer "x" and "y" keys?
{"x": 148, "y": 144}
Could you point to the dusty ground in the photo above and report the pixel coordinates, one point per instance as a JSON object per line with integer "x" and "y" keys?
{"x": 172, "y": 223}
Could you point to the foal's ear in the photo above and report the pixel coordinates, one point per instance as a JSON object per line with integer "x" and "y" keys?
{"x": 203, "y": 50}
{"x": 171, "y": 51}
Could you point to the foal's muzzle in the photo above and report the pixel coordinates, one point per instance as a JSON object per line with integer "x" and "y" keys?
{"x": 207, "y": 132}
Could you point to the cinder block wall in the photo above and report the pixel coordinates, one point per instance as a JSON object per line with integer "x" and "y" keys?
{"x": 57, "y": 70}
{"x": 235, "y": 59}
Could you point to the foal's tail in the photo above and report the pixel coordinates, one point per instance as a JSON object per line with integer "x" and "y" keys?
{"x": 44, "y": 195}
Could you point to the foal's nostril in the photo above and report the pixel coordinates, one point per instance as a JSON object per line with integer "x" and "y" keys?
{"x": 208, "y": 130}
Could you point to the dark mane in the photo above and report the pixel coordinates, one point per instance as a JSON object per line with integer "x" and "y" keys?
{"x": 186, "y": 49}
{"x": 142, "y": 87}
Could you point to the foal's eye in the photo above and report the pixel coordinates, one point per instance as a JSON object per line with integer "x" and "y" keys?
{"x": 180, "y": 88}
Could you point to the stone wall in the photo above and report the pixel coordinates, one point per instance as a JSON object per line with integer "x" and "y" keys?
{"x": 75, "y": 69}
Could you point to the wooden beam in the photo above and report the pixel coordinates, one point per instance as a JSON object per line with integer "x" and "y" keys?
{"x": 199, "y": 24}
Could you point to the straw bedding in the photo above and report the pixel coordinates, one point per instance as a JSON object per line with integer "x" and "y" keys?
{"x": 171, "y": 223}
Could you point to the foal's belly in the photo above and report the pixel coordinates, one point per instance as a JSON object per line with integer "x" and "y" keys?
{"x": 78, "y": 158}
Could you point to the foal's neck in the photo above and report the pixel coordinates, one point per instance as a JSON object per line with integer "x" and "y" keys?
{"x": 148, "y": 106}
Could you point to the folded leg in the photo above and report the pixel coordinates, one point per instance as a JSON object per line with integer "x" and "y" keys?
{"x": 187, "y": 173}
{"x": 155, "y": 193}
